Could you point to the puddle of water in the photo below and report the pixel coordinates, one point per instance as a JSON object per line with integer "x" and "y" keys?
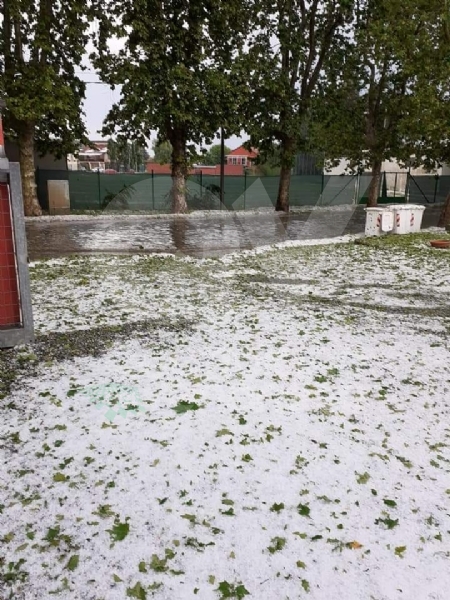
{"x": 208, "y": 236}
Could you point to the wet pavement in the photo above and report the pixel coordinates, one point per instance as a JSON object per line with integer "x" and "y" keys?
{"x": 199, "y": 236}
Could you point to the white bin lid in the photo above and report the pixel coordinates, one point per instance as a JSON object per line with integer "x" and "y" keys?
{"x": 406, "y": 206}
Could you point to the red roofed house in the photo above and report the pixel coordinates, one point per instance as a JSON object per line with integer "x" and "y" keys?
{"x": 235, "y": 164}
{"x": 242, "y": 156}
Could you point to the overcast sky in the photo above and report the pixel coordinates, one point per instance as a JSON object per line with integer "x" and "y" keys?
{"x": 100, "y": 98}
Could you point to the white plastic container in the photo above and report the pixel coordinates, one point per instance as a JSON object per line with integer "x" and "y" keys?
{"x": 417, "y": 211}
{"x": 379, "y": 220}
{"x": 407, "y": 217}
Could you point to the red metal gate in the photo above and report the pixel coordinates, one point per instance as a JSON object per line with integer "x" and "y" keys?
{"x": 9, "y": 291}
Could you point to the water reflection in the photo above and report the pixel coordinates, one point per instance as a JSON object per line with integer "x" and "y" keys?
{"x": 178, "y": 229}
{"x": 197, "y": 236}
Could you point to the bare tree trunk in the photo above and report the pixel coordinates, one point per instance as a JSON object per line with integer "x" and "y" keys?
{"x": 179, "y": 172}
{"x": 285, "y": 176}
{"x": 444, "y": 219}
{"x": 27, "y": 168}
{"x": 374, "y": 188}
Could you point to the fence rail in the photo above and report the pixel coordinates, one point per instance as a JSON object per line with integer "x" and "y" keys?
{"x": 151, "y": 192}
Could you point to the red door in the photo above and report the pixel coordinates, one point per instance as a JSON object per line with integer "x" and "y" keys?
{"x": 9, "y": 292}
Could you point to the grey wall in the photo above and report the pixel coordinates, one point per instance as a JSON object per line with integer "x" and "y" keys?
{"x": 42, "y": 162}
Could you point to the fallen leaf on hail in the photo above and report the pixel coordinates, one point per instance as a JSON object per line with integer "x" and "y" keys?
{"x": 354, "y": 545}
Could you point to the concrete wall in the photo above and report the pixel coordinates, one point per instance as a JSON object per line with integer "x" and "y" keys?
{"x": 388, "y": 166}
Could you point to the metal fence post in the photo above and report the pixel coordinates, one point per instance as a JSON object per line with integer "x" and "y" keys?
{"x": 357, "y": 186}
{"x": 395, "y": 185}
{"x": 201, "y": 183}
{"x": 245, "y": 185}
{"x": 99, "y": 189}
{"x": 153, "y": 191}
{"x": 408, "y": 183}
{"x": 383, "y": 186}
{"x": 436, "y": 185}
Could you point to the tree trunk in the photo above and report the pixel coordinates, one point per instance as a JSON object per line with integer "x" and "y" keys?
{"x": 285, "y": 176}
{"x": 374, "y": 187}
{"x": 444, "y": 219}
{"x": 179, "y": 172}
{"x": 283, "y": 190}
{"x": 27, "y": 168}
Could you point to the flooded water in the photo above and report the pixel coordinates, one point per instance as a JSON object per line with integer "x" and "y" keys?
{"x": 204, "y": 236}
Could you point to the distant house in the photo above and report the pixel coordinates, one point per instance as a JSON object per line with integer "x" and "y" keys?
{"x": 233, "y": 170}
{"x": 237, "y": 163}
{"x": 242, "y": 156}
{"x": 157, "y": 169}
{"x": 73, "y": 164}
{"x": 94, "y": 157}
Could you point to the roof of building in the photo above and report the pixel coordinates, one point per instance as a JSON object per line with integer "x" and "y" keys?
{"x": 100, "y": 147}
{"x": 241, "y": 151}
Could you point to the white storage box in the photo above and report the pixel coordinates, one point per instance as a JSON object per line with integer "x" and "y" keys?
{"x": 417, "y": 211}
{"x": 379, "y": 220}
{"x": 407, "y": 217}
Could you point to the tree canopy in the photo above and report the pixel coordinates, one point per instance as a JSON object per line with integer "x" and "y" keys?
{"x": 287, "y": 52}
{"x": 126, "y": 155}
{"x": 162, "y": 152}
{"x": 42, "y": 44}
{"x": 213, "y": 155}
{"x": 175, "y": 73}
{"x": 384, "y": 94}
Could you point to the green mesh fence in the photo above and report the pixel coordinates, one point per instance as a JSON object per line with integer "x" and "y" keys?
{"x": 147, "y": 192}
{"x": 428, "y": 188}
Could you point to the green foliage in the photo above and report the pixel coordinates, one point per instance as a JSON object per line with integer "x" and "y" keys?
{"x": 383, "y": 94}
{"x": 388, "y": 522}
{"x": 73, "y": 562}
{"x": 175, "y": 73}
{"x": 270, "y": 165}
{"x": 362, "y": 478}
{"x": 305, "y": 585}
{"x": 119, "y": 531}
{"x": 282, "y": 77}
{"x": 137, "y": 591}
{"x": 231, "y": 590}
{"x": 162, "y": 152}
{"x": 303, "y": 510}
{"x": 277, "y": 544}
{"x": 40, "y": 48}
{"x": 160, "y": 564}
{"x": 184, "y": 406}
{"x": 390, "y": 503}
{"x": 213, "y": 155}
{"x": 125, "y": 155}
